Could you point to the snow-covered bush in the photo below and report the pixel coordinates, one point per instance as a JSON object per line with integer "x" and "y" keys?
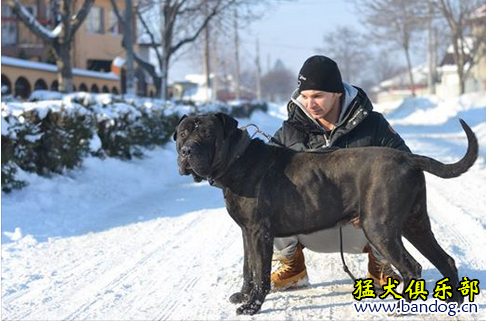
{"x": 50, "y": 136}
{"x": 237, "y": 109}
{"x": 45, "y": 139}
{"x": 124, "y": 129}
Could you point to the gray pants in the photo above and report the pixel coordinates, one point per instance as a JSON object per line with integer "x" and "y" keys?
{"x": 324, "y": 241}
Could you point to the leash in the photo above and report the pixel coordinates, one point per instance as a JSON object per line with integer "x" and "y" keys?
{"x": 257, "y": 130}
{"x": 345, "y": 267}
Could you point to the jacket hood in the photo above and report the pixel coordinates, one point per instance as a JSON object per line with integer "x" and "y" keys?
{"x": 297, "y": 112}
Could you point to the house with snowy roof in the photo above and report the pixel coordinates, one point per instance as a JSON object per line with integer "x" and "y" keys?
{"x": 97, "y": 55}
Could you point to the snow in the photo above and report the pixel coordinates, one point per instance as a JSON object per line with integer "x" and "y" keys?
{"x": 118, "y": 62}
{"x": 198, "y": 94}
{"x": 56, "y": 32}
{"x": 133, "y": 240}
{"x": 33, "y": 21}
{"x": 38, "y": 95}
{"x": 42, "y": 107}
{"x": 15, "y": 62}
{"x": 5, "y": 126}
{"x": 431, "y": 111}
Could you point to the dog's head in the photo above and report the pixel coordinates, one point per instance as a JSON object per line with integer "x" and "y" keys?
{"x": 202, "y": 143}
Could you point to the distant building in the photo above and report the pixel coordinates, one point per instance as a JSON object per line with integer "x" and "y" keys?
{"x": 96, "y": 46}
{"x": 447, "y": 81}
{"x": 478, "y": 71}
{"x": 194, "y": 88}
{"x": 398, "y": 87}
{"x": 448, "y": 85}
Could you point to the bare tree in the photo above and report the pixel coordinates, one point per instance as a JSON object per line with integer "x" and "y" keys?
{"x": 384, "y": 66}
{"x": 223, "y": 50}
{"x": 467, "y": 42}
{"x": 396, "y": 21}
{"x": 181, "y": 23}
{"x": 60, "y": 38}
{"x": 128, "y": 41}
{"x": 350, "y": 50}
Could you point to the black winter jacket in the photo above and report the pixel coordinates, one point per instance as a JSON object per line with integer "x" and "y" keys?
{"x": 360, "y": 126}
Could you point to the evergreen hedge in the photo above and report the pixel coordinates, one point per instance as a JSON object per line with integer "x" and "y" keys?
{"x": 49, "y": 137}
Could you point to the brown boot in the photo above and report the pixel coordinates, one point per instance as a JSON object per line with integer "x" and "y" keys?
{"x": 380, "y": 271}
{"x": 291, "y": 273}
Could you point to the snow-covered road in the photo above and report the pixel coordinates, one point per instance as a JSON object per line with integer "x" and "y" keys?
{"x": 134, "y": 241}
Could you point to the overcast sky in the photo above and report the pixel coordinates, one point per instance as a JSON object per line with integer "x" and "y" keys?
{"x": 290, "y": 31}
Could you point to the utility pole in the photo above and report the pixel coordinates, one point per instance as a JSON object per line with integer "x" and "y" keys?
{"x": 215, "y": 69}
{"x": 237, "y": 60}
{"x": 207, "y": 68}
{"x": 431, "y": 53}
{"x": 258, "y": 72}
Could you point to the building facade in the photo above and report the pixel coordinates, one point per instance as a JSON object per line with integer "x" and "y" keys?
{"x": 96, "y": 45}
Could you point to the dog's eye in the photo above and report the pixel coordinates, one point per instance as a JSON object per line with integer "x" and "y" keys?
{"x": 183, "y": 134}
{"x": 205, "y": 133}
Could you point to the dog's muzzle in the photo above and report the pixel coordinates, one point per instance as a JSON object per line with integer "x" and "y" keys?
{"x": 192, "y": 160}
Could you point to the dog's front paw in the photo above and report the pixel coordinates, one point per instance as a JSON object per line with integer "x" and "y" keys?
{"x": 249, "y": 308}
{"x": 238, "y": 297}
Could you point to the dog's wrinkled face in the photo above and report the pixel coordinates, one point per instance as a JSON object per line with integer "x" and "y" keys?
{"x": 198, "y": 140}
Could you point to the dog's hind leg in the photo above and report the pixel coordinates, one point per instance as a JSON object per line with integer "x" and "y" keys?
{"x": 389, "y": 243}
{"x": 418, "y": 232}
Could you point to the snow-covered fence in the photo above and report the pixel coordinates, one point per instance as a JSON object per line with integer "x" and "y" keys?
{"x": 49, "y": 136}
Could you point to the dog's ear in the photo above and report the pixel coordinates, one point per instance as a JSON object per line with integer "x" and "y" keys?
{"x": 174, "y": 137}
{"x": 229, "y": 123}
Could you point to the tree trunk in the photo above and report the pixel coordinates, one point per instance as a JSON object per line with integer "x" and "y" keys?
{"x": 65, "y": 69}
{"x": 158, "y": 86}
{"x": 128, "y": 37}
{"x": 164, "y": 77}
{"x": 459, "y": 59}
{"x": 258, "y": 73}
{"x": 461, "y": 74}
{"x": 410, "y": 71}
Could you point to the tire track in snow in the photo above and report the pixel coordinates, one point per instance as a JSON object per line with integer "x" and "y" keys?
{"x": 131, "y": 272}
{"x": 460, "y": 231}
{"x": 89, "y": 288}
{"x": 208, "y": 259}
{"x": 104, "y": 289}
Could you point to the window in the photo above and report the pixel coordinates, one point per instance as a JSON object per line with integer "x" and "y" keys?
{"x": 9, "y": 26}
{"x": 32, "y": 8}
{"x": 95, "y": 21}
{"x": 53, "y": 16}
{"x": 6, "y": 11}
{"x": 115, "y": 27}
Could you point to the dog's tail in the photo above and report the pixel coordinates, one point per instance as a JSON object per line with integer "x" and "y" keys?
{"x": 450, "y": 170}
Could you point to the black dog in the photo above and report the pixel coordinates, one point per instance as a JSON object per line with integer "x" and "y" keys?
{"x": 273, "y": 192}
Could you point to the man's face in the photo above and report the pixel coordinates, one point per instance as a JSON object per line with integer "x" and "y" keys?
{"x": 320, "y": 104}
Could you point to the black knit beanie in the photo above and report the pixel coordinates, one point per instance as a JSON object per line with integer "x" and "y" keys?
{"x": 320, "y": 73}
